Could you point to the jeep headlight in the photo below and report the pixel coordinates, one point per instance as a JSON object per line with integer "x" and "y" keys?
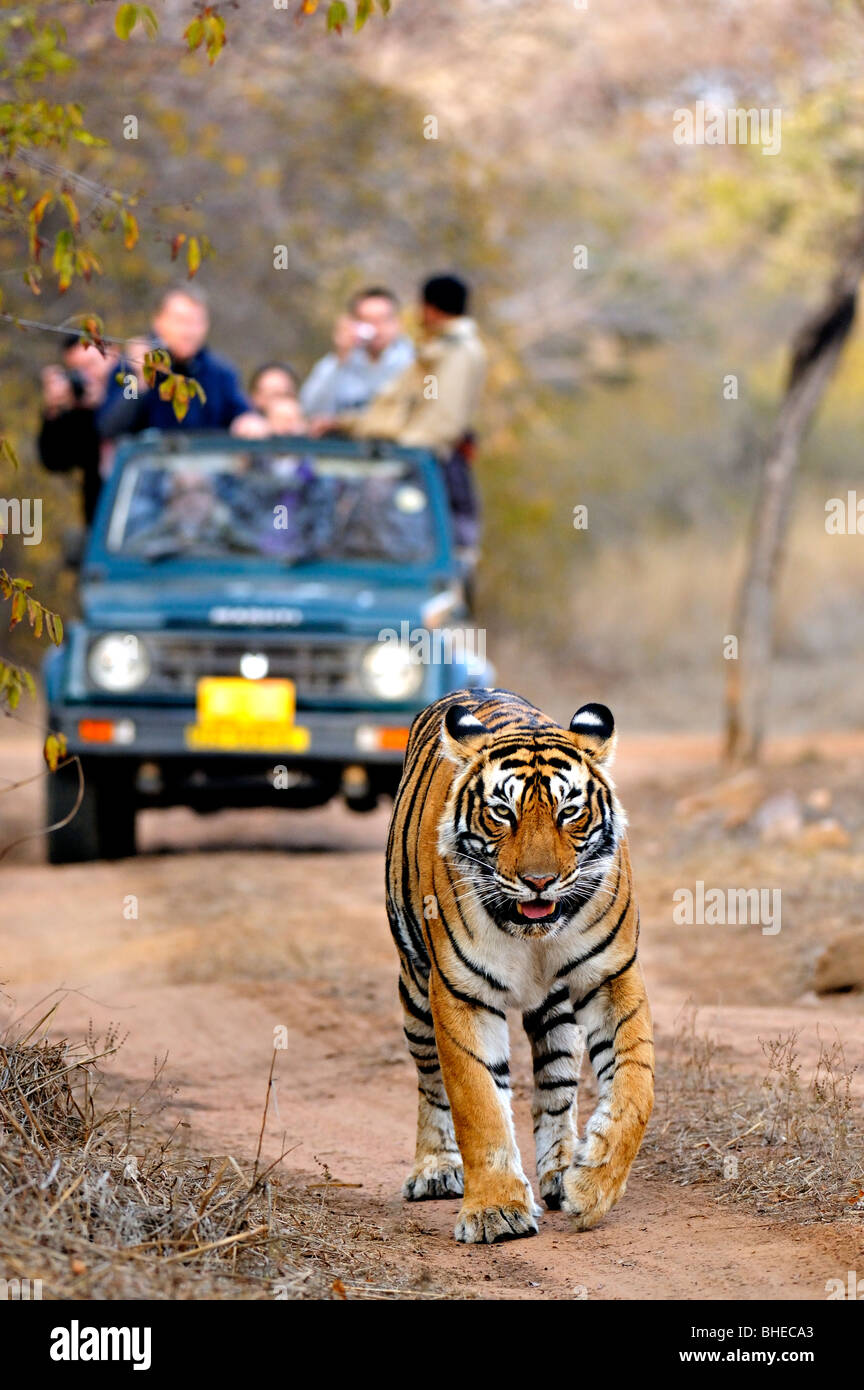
{"x": 391, "y": 671}
{"x": 118, "y": 662}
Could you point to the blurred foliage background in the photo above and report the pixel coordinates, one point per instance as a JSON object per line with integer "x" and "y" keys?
{"x": 555, "y": 130}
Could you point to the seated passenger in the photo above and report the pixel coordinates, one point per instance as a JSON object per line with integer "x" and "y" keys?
{"x": 191, "y": 516}
{"x": 273, "y": 381}
{"x": 273, "y": 392}
{"x": 285, "y": 416}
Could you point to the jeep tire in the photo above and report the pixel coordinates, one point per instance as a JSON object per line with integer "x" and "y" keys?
{"x": 103, "y": 827}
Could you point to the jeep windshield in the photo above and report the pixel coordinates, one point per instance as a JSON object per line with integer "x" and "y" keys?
{"x": 292, "y": 507}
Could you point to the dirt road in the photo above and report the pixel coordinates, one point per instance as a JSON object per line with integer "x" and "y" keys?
{"x": 231, "y": 933}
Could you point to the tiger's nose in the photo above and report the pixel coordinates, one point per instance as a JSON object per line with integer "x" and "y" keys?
{"x": 539, "y": 882}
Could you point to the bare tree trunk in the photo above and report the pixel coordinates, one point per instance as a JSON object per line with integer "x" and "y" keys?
{"x": 815, "y": 354}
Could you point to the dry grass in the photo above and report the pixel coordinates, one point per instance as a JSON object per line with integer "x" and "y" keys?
{"x": 95, "y": 1206}
{"x": 789, "y": 1145}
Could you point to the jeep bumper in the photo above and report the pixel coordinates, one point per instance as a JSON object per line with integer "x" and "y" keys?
{"x": 159, "y": 732}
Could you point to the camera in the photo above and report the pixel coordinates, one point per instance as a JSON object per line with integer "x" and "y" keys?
{"x": 77, "y": 383}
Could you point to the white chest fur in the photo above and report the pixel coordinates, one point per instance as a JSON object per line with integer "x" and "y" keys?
{"x": 526, "y": 967}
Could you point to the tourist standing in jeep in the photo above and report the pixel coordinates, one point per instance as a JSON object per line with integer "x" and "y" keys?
{"x": 432, "y": 404}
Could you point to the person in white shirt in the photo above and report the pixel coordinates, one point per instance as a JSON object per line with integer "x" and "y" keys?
{"x": 369, "y": 351}
{"x": 433, "y": 403}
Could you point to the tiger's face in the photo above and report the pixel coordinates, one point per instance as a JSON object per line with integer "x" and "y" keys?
{"x": 532, "y": 823}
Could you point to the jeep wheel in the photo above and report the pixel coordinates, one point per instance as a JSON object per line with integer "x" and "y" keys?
{"x": 103, "y": 827}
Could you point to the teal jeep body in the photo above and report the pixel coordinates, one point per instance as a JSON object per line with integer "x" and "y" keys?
{"x": 260, "y": 623}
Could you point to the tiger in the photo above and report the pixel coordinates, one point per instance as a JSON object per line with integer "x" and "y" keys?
{"x": 509, "y": 886}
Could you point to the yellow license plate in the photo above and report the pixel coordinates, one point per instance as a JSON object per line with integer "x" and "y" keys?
{"x": 239, "y": 715}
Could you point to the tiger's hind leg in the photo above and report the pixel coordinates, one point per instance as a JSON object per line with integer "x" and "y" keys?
{"x": 556, "y": 1050}
{"x": 437, "y": 1170}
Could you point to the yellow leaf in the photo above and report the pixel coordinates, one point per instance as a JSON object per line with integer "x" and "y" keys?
{"x": 19, "y": 607}
{"x": 38, "y": 210}
{"x": 193, "y": 256}
{"x": 54, "y": 749}
{"x": 7, "y": 452}
{"x": 130, "y": 229}
{"x": 71, "y": 210}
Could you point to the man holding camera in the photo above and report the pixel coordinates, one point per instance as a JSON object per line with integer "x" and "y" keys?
{"x": 433, "y": 403}
{"x": 369, "y": 351}
{"x": 72, "y": 395}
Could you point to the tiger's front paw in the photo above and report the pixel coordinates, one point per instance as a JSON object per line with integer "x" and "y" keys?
{"x": 438, "y": 1175}
{"x": 588, "y": 1193}
{"x": 479, "y": 1225}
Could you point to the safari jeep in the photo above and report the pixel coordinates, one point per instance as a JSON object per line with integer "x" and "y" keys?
{"x": 260, "y": 623}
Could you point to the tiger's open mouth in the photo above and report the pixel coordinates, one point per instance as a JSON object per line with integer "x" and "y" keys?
{"x": 535, "y": 909}
{"x": 538, "y": 916}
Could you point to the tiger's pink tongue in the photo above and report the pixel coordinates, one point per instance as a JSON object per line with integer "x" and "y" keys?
{"x": 534, "y": 910}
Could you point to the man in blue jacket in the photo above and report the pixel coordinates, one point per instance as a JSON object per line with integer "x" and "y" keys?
{"x": 181, "y": 325}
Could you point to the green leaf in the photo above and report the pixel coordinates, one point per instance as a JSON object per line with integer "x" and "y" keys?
{"x": 337, "y": 15}
{"x": 149, "y": 21}
{"x": 85, "y": 137}
{"x": 181, "y": 397}
{"x": 124, "y": 21}
{"x": 8, "y": 453}
{"x": 194, "y": 34}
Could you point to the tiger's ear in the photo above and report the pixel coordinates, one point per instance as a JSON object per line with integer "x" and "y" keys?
{"x": 462, "y": 736}
{"x": 594, "y": 730}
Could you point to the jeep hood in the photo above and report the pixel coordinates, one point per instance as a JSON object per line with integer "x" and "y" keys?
{"x": 345, "y": 605}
